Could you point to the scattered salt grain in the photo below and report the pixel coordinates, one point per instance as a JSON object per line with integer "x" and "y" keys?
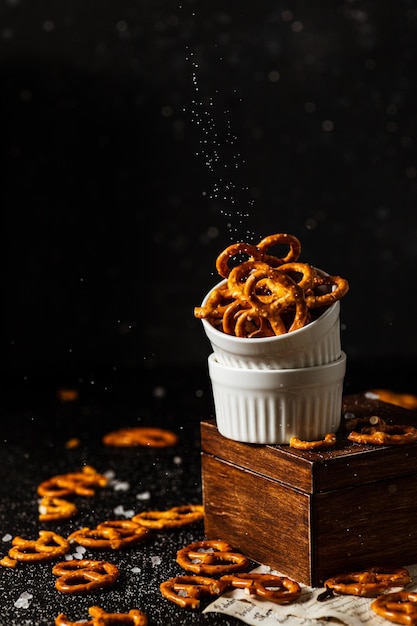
{"x": 120, "y": 510}
{"x": 371, "y": 395}
{"x": 135, "y": 570}
{"x": 119, "y": 485}
{"x": 7, "y": 537}
{"x": 23, "y": 601}
{"x": 145, "y": 495}
{"x": 155, "y": 560}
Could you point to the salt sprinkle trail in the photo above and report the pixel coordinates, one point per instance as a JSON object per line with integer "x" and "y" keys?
{"x": 210, "y": 151}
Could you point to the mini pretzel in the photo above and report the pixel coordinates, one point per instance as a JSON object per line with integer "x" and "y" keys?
{"x": 79, "y": 483}
{"x": 56, "y": 509}
{"x": 339, "y": 288}
{"x": 399, "y": 607}
{"x": 141, "y": 436}
{"x": 328, "y": 442}
{"x": 211, "y": 558}
{"x": 279, "y": 589}
{"x": 176, "y": 517}
{"x": 241, "y": 248}
{"x": 248, "y": 323}
{"x": 48, "y": 547}
{"x": 302, "y": 273}
{"x": 239, "y": 275}
{"x": 385, "y": 435}
{"x": 405, "y": 400}
{"x": 216, "y": 304}
{"x": 369, "y": 582}
{"x": 101, "y": 618}
{"x": 280, "y": 239}
{"x": 285, "y": 295}
{"x": 110, "y": 535}
{"x": 84, "y": 576}
{"x": 186, "y": 591}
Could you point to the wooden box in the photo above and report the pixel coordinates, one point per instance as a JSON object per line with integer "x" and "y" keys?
{"x": 311, "y": 515}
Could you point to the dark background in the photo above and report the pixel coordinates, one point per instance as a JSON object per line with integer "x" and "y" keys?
{"x": 141, "y": 138}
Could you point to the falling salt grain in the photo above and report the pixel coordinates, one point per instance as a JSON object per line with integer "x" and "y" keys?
{"x": 23, "y": 601}
{"x": 177, "y": 460}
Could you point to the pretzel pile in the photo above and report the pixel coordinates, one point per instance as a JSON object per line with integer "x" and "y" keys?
{"x": 217, "y": 567}
{"x": 266, "y": 295}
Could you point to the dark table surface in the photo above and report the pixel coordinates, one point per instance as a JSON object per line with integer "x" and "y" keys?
{"x": 36, "y": 425}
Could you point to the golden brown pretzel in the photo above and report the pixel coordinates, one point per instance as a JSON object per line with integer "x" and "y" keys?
{"x": 48, "y": 547}
{"x": 81, "y": 483}
{"x": 385, "y": 434}
{"x": 84, "y": 576}
{"x": 235, "y": 249}
{"x": 339, "y": 288}
{"x": 242, "y": 320}
{"x": 281, "y": 296}
{"x": 56, "y": 509}
{"x": 328, "y": 442}
{"x": 406, "y": 400}
{"x": 369, "y": 582}
{"x": 279, "y": 589}
{"x": 399, "y": 607}
{"x": 211, "y": 558}
{"x": 231, "y": 314}
{"x": 175, "y": 517}
{"x": 239, "y": 275}
{"x": 141, "y": 436}
{"x": 186, "y": 591}
{"x": 133, "y": 618}
{"x": 302, "y": 273}
{"x": 216, "y": 304}
{"x": 279, "y": 239}
{"x": 101, "y": 618}
{"x": 110, "y": 535}
{"x": 248, "y": 323}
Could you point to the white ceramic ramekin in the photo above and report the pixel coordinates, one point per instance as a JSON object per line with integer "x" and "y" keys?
{"x": 271, "y": 406}
{"x": 317, "y": 343}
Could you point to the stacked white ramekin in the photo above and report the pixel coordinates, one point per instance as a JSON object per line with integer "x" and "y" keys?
{"x": 267, "y": 390}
